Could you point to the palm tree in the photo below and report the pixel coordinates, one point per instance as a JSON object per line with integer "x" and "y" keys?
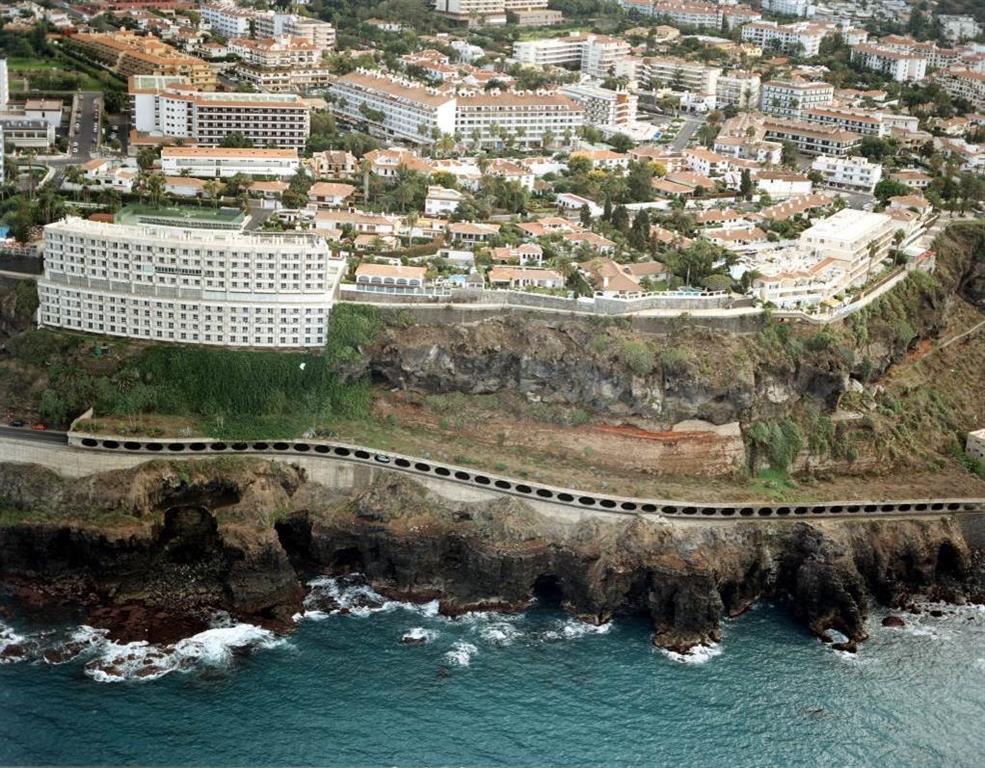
{"x": 156, "y": 185}
{"x": 212, "y": 190}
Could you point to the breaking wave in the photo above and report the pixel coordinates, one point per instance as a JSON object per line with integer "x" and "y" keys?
{"x": 461, "y": 653}
{"x": 699, "y": 654}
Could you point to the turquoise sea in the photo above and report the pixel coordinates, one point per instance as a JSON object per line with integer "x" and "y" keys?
{"x": 535, "y": 689}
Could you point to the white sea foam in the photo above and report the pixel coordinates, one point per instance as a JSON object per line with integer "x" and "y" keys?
{"x": 215, "y": 648}
{"x": 419, "y": 636}
{"x": 13, "y": 647}
{"x": 354, "y": 598}
{"x": 699, "y": 654}
{"x": 461, "y": 653}
{"x": 572, "y": 629}
{"x": 499, "y": 633}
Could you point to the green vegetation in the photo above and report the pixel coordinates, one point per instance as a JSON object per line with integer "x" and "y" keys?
{"x": 778, "y": 441}
{"x": 233, "y": 394}
{"x": 638, "y": 356}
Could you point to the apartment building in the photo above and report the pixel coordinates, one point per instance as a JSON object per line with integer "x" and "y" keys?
{"x": 219, "y": 162}
{"x": 4, "y": 86}
{"x": 861, "y": 121}
{"x": 964, "y": 84}
{"x": 687, "y": 14}
{"x": 801, "y": 38}
{"x": 810, "y": 138}
{"x": 128, "y": 54}
{"x": 194, "y": 286}
{"x": 738, "y": 89}
{"x": 858, "y": 240}
{"x": 901, "y": 66}
{"x": 679, "y": 74}
{"x": 595, "y": 55}
{"x": 393, "y": 107}
{"x": 602, "y": 56}
{"x": 803, "y": 8}
{"x": 852, "y": 174}
{"x": 285, "y": 79}
{"x": 603, "y": 106}
{"x": 276, "y": 52}
{"x": 956, "y": 28}
{"x": 227, "y": 20}
{"x": 526, "y": 117}
{"x": 937, "y": 58}
{"x": 792, "y": 98}
{"x": 319, "y": 33}
{"x": 170, "y": 106}
{"x": 472, "y": 12}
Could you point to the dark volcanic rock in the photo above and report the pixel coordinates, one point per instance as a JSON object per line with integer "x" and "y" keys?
{"x": 893, "y": 621}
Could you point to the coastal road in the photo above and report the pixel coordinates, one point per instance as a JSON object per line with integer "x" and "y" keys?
{"x": 29, "y": 435}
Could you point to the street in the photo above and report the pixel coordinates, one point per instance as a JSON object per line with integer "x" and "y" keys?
{"x": 31, "y": 435}
{"x": 691, "y": 124}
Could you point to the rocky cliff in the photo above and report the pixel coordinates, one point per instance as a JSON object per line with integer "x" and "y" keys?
{"x": 689, "y": 373}
{"x": 162, "y": 546}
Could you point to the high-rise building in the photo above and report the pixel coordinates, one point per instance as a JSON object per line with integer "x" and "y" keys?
{"x": 192, "y": 286}
{"x": 170, "y": 106}
{"x": 4, "y": 86}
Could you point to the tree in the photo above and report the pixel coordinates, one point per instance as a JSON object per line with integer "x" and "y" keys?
{"x": 236, "y": 140}
{"x": 639, "y": 233}
{"x": 639, "y": 182}
{"x": 155, "y": 186}
{"x": 888, "y": 188}
{"x": 585, "y": 216}
{"x": 620, "y": 218}
{"x": 146, "y": 157}
{"x": 696, "y": 262}
{"x": 620, "y": 142}
{"x": 745, "y": 184}
{"x": 213, "y": 190}
{"x": 790, "y": 155}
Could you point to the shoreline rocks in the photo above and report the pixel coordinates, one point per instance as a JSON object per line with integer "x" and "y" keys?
{"x": 163, "y": 573}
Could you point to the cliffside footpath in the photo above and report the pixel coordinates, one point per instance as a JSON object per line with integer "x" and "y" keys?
{"x": 153, "y": 552}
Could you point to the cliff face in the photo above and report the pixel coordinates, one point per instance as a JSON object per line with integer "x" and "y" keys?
{"x": 197, "y": 538}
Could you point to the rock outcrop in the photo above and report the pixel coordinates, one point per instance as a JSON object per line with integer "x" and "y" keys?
{"x": 168, "y": 544}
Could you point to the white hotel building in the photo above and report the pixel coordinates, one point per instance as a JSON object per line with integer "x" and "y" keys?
{"x": 803, "y": 38}
{"x": 791, "y": 98}
{"x": 527, "y": 116}
{"x": 218, "y": 162}
{"x": 410, "y": 111}
{"x": 899, "y": 65}
{"x": 188, "y": 285}
{"x": 597, "y": 56}
{"x": 604, "y": 106}
{"x": 168, "y": 106}
{"x": 852, "y": 174}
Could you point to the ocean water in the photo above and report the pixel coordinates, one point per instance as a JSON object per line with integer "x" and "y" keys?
{"x": 533, "y": 689}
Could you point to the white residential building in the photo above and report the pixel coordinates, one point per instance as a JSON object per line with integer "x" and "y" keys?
{"x": 604, "y": 106}
{"x": 167, "y": 106}
{"x": 526, "y": 117}
{"x": 596, "y": 55}
{"x": 964, "y": 84}
{"x": 227, "y": 20}
{"x": 276, "y": 51}
{"x": 803, "y": 8}
{"x": 679, "y": 74}
{"x": 472, "y": 12}
{"x": 392, "y": 107}
{"x": 319, "y": 33}
{"x": 850, "y": 236}
{"x": 678, "y": 12}
{"x": 219, "y": 162}
{"x": 441, "y": 201}
{"x": 802, "y": 38}
{"x": 791, "y": 98}
{"x": 861, "y": 121}
{"x": 738, "y": 89}
{"x": 853, "y": 174}
{"x": 4, "y": 86}
{"x": 957, "y": 28}
{"x": 901, "y": 66}
{"x": 191, "y": 286}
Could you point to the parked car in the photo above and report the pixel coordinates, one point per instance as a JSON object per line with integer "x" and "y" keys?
{"x": 39, "y": 427}
{"x": 382, "y": 458}
{"x": 17, "y": 423}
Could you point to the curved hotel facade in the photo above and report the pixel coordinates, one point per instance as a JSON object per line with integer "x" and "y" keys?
{"x": 191, "y": 286}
